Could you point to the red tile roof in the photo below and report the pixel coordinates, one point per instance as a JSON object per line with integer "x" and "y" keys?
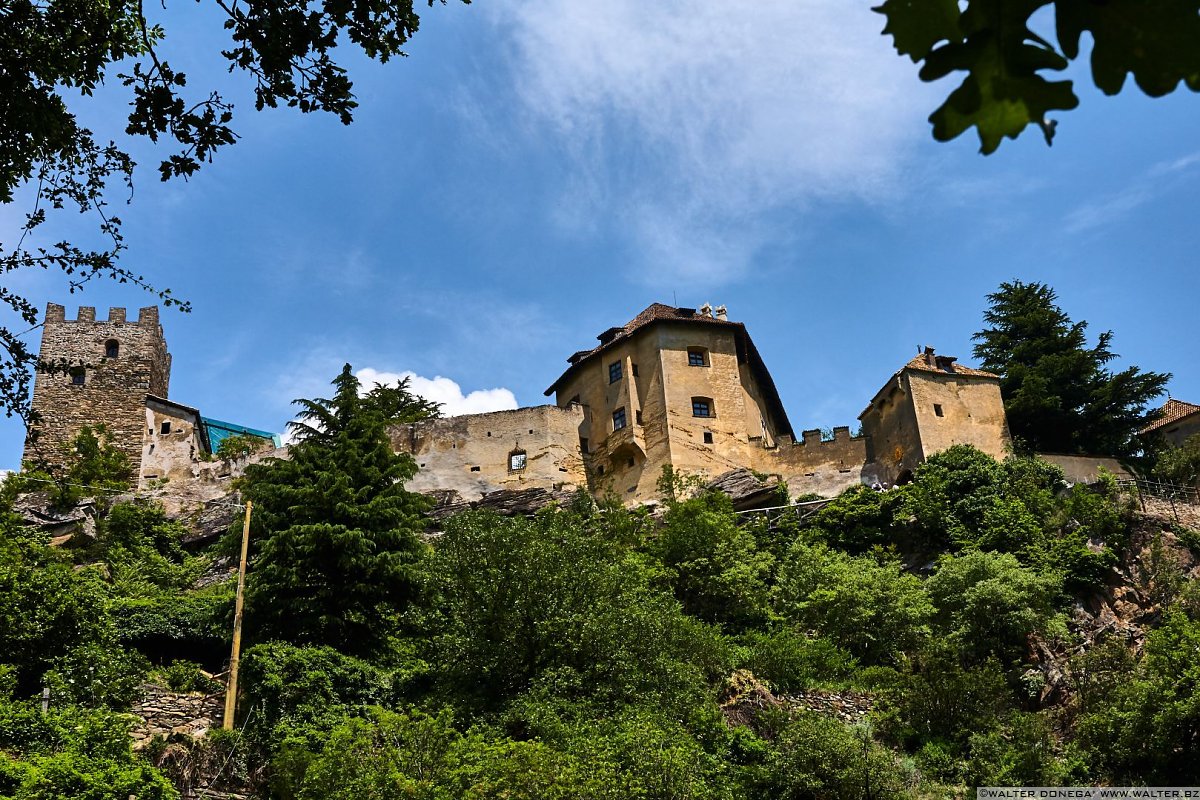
{"x": 1173, "y": 411}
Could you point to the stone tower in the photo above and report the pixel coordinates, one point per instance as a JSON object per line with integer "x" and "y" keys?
{"x": 111, "y": 366}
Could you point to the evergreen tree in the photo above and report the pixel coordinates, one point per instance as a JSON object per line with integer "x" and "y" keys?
{"x": 341, "y": 533}
{"x": 1058, "y": 392}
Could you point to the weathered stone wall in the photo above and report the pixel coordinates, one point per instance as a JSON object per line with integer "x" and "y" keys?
{"x": 162, "y": 712}
{"x": 661, "y": 428}
{"x": 471, "y": 454}
{"x": 1179, "y": 432}
{"x": 1085, "y": 469}
{"x": 972, "y": 412}
{"x": 113, "y": 388}
{"x": 813, "y": 466}
{"x": 890, "y": 426}
{"x": 174, "y": 454}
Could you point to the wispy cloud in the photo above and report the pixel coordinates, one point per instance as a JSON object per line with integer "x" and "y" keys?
{"x": 685, "y": 119}
{"x": 1117, "y": 205}
{"x": 442, "y": 390}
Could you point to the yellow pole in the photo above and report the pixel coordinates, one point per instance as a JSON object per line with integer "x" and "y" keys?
{"x": 231, "y": 689}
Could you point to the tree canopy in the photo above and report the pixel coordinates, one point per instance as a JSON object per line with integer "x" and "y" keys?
{"x": 339, "y": 533}
{"x": 1009, "y": 56}
{"x": 56, "y": 57}
{"x": 1059, "y": 394}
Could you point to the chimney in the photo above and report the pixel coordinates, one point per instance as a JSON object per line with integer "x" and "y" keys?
{"x": 706, "y": 310}
{"x": 721, "y": 313}
{"x": 930, "y": 358}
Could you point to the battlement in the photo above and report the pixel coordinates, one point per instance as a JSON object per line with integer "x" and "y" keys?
{"x": 147, "y": 316}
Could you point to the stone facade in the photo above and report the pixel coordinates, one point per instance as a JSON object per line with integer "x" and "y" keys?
{"x": 1175, "y": 422}
{"x": 101, "y": 372}
{"x": 674, "y": 387}
{"x": 929, "y": 405}
{"x": 477, "y": 454}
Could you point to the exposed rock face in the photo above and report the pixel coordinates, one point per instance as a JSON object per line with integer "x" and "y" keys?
{"x": 61, "y": 524}
{"x": 506, "y": 502}
{"x": 746, "y": 490}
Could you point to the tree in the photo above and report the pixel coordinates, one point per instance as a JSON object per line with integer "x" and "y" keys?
{"x": 56, "y": 56}
{"x": 1180, "y": 464}
{"x": 1007, "y": 63}
{"x": 340, "y": 535}
{"x": 1059, "y": 395}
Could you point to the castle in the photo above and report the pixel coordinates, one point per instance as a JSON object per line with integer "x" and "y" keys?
{"x": 678, "y": 387}
{"x": 116, "y": 372}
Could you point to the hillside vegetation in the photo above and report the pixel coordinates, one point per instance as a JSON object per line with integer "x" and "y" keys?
{"x": 1001, "y": 628}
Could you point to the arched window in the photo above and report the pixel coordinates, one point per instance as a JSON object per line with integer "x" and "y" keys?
{"x": 703, "y": 407}
{"x": 78, "y": 376}
{"x": 112, "y": 348}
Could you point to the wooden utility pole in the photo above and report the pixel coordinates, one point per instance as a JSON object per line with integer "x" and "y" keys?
{"x": 232, "y": 687}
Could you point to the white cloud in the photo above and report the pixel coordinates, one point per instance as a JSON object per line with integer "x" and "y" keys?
{"x": 1159, "y": 179}
{"x": 685, "y": 119}
{"x": 442, "y": 390}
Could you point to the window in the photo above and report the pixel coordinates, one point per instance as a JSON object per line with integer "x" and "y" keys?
{"x": 600, "y": 470}
{"x": 112, "y": 348}
{"x": 474, "y": 469}
{"x": 614, "y": 372}
{"x": 937, "y": 409}
{"x": 635, "y": 372}
{"x": 708, "y": 437}
{"x": 77, "y": 377}
{"x": 619, "y": 419}
{"x": 166, "y": 427}
{"x": 697, "y": 357}
{"x": 702, "y": 407}
{"x": 516, "y": 461}
{"x": 583, "y": 445}
{"x": 637, "y": 417}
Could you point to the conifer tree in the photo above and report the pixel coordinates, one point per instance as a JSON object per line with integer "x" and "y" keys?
{"x": 1059, "y": 395}
{"x": 339, "y": 534}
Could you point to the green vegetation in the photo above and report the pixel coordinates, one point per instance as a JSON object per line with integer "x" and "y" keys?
{"x": 1059, "y": 394}
{"x": 1010, "y": 50}
{"x": 585, "y": 652}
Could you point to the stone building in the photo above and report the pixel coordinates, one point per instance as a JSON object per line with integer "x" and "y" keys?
{"x": 1174, "y": 422}
{"x": 678, "y": 387}
{"x": 687, "y": 388}
{"x": 116, "y": 372}
{"x": 931, "y": 403}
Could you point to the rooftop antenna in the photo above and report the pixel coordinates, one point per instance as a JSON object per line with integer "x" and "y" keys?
{"x": 674, "y": 299}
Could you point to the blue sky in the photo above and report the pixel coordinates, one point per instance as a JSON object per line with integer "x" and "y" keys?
{"x": 534, "y": 173}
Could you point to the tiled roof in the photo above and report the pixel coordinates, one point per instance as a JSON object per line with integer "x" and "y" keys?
{"x": 655, "y": 312}
{"x": 1173, "y": 411}
{"x": 945, "y": 366}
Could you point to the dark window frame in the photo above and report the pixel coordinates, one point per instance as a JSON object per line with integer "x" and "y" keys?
{"x": 615, "y": 371}
{"x": 697, "y": 356}
{"x": 704, "y": 404}
{"x": 620, "y": 419}
{"x": 112, "y": 348}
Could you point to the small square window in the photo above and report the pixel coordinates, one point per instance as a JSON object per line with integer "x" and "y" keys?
{"x": 637, "y": 417}
{"x": 77, "y": 378}
{"x": 708, "y": 438}
{"x": 112, "y": 348}
{"x": 166, "y": 427}
{"x": 600, "y": 470}
{"x": 701, "y": 408}
{"x": 619, "y": 419}
{"x": 635, "y": 372}
{"x": 937, "y": 409}
{"x": 474, "y": 469}
{"x": 697, "y": 357}
{"x": 516, "y": 462}
{"x": 583, "y": 445}
{"x": 614, "y": 372}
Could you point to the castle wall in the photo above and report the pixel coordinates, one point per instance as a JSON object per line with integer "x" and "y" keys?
{"x": 959, "y": 409}
{"x": 172, "y": 447}
{"x": 813, "y": 466}
{"x": 113, "y": 388}
{"x": 471, "y": 454}
{"x": 890, "y": 427}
